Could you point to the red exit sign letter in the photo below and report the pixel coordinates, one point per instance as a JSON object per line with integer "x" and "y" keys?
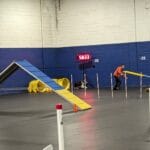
{"x": 84, "y": 57}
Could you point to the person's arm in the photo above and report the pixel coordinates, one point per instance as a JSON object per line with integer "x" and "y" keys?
{"x": 120, "y": 71}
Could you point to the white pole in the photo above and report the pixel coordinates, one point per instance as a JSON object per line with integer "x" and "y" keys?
{"x": 97, "y": 80}
{"x": 126, "y": 88}
{"x": 141, "y": 87}
{"x": 111, "y": 81}
{"x": 71, "y": 83}
{"x": 60, "y": 127}
{"x": 49, "y": 147}
{"x": 85, "y": 84}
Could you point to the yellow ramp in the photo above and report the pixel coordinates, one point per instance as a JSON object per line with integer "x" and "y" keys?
{"x": 73, "y": 99}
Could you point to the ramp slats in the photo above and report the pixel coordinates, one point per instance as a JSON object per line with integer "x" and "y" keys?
{"x": 35, "y": 72}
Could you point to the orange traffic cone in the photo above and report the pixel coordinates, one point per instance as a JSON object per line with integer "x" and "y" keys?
{"x": 75, "y": 108}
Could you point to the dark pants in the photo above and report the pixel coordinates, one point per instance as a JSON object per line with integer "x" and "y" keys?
{"x": 117, "y": 83}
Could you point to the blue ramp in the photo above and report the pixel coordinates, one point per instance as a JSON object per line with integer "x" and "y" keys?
{"x": 36, "y": 73}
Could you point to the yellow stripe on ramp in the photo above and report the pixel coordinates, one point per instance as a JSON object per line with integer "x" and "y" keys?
{"x": 73, "y": 99}
{"x": 134, "y": 73}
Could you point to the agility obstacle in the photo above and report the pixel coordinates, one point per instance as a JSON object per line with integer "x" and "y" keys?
{"x": 136, "y": 74}
{"x": 141, "y": 75}
{"x": 46, "y": 80}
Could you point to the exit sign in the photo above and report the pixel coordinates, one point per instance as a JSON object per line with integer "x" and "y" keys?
{"x": 84, "y": 57}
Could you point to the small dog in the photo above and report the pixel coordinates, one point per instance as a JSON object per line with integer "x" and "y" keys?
{"x": 80, "y": 85}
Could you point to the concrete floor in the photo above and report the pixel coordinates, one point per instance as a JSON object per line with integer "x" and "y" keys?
{"x": 28, "y": 122}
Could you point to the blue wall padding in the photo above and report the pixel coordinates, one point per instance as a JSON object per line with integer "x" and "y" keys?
{"x": 61, "y": 62}
{"x": 143, "y": 50}
{"x": 19, "y": 78}
{"x": 33, "y": 55}
{"x": 110, "y": 57}
{"x": 50, "y": 57}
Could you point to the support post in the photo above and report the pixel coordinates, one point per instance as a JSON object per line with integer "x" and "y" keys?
{"x": 97, "y": 80}
{"x": 126, "y": 87}
{"x": 141, "y": 87}
{"x": 60, "y": 126}
{"x": 85, "y": 82}
{"x": 71, "y": 83}
{"x": 111, "y": 82}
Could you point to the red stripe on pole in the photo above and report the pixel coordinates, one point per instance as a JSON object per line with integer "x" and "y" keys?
{"x": 59, "y": 106}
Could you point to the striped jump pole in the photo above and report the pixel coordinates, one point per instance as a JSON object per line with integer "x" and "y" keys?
{"x": 141, "y": 86}
{"x": 85, "y": 82}
{"x": 97, "y": 82}
{"x": 111, "y": 82}
{"x": 71, "y": 83}
{"x": 126, "y": 86}
{"x": 59, "y": 108}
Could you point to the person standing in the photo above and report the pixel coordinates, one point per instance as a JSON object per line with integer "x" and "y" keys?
{"x": 118, "y": 73}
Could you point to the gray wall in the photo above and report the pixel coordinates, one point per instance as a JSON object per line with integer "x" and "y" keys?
{"x": 46, "y": 23}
